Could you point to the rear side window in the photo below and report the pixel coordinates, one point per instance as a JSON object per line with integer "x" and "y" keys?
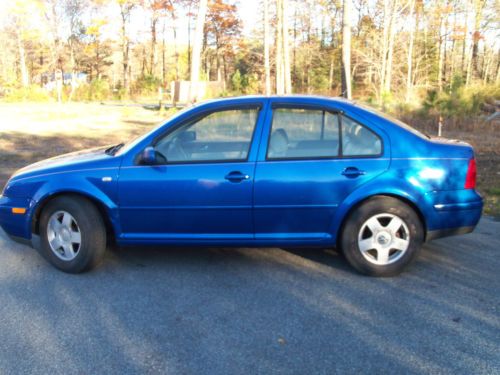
{"x": 358, "y": 140}
{"x": 303, "y": 133}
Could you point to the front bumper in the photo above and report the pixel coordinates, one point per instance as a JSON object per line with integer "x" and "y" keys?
{"x": 15, "y": 224}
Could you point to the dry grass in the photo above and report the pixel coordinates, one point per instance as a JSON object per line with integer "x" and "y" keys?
{"x": 32, "y": 132}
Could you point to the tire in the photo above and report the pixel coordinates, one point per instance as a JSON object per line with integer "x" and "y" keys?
{"x": 375, "y": 243}
{"x": 73, "y": 234}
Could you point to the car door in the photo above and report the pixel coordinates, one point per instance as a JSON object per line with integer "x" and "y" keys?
{"x": 315, "y": 157}
{"x": 201, "y": 188}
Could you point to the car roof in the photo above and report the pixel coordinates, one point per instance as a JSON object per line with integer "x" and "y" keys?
{"x": 294, "y": 97}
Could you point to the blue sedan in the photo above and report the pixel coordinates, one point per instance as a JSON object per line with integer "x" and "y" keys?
{"x": 296, "y": 171}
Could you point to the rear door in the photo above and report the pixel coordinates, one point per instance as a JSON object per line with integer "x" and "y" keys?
{"x": 311, "y": 158}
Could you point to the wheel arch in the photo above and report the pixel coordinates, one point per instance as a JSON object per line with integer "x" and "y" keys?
{"x": 101, "y": 207}
{"x": 401, "y": 198}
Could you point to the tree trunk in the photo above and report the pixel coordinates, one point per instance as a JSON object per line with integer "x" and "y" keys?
{"x": 267, "y": 66}
{"x": 196, "y": 55}
{"x": 390, "y": 48}
{"x": 346, "y": 50}
{"x": 152, "y": 56}
{"x": 384, "y": 47}
{"x": 409, "y": 61}
{"x": 125, "y": 48}
{"x": 283, "y": 74}
{"x": 25, "y": 79}
{"x": 286, "y": 49}
{"x": 280, "y": 81}
{"x": 476, "y": 36}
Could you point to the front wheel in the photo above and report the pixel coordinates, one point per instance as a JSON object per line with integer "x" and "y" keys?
{"x": 73, "y": 234}
{"x": 382, "y": 236}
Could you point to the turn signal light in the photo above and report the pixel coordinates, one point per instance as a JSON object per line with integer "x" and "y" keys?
{"x": 18, "y": 210}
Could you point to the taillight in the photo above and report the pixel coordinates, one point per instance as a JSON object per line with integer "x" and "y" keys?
{"x": 470, "y": 179}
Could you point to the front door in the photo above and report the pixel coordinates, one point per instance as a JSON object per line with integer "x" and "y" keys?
{"x": 314, "y": 159}
{"x": 200, "y": 189}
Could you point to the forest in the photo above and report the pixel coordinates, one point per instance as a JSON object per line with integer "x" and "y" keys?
{"x": 440, "y": 58}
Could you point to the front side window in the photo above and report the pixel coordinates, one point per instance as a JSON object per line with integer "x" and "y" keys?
{"x": 219, "y": 136}
{"x": 303, "y": 133}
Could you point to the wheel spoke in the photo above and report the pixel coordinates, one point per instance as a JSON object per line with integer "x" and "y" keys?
{"x": 382, "y": 254}
{"x": 399, "y": 244}
{"x": 68, "y": 250}
{"x": 366, "y": 244}
{"x": 55, "y": 243}
{"x": 395, "y": 224}
{"x": 67, "y": 219}
{"x": 374, "y": 224}
{"x": 54, "y": 225}
{"x": 76, "y": 237}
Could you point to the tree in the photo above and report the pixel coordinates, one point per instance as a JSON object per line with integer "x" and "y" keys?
{"x": 223, "y": 29}
{"x": 196, "y": 54}
{"x": 283, "y": 76}
{"x": 126, "y": 7}
{"x": 346, "y": 50}
{"x": 267, "y": 65}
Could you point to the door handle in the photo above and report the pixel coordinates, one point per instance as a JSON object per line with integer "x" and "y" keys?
{"x": 236, "y": 176}
{"x": 352, "y": 172}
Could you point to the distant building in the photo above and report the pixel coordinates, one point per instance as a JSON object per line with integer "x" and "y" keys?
{"x": 48, "y": 80}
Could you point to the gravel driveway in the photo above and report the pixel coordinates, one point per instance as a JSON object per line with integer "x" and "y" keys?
{"x": 246, "y": 311}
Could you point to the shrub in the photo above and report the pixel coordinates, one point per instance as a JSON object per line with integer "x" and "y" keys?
{"x": 32, "y": 93}
{"x": 96, "y": 90}
{"x": 147, "y": 84}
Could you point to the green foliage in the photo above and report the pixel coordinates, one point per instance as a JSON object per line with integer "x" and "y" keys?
{"x": 236, "y": 81}
{"x": 96, "y": 90}
{"x": 32, "y": 93}
{"x": 459, "y": 100}
{"x": 146, "y": 85}
{"x": 245, "y": 83}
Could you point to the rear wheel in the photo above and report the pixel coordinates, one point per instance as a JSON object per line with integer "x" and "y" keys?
{"x": 73, "y": 234}
{"x": 382, "y": 236}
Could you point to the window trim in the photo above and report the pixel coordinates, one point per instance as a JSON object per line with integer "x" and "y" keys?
{"x": 340, "y": 114}
{"x": 196, "y": 117}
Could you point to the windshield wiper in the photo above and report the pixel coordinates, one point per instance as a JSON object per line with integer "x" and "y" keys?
{"x": 114, "y": 149}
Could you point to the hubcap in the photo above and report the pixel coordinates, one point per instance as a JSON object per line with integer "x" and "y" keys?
{"x": 64, "y": 235}
{"x": 383, "y": 239}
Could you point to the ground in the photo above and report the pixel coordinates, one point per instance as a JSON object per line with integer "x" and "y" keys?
{"x": 35, "y": 131}
{"x": 225, "y": 311}
{"x": 234, "y": 311}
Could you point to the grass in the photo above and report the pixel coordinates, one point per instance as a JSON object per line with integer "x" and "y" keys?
{"x": 30, "y": 132}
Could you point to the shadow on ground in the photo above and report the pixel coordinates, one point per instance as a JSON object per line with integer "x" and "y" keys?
{"x": 214, "y": 311}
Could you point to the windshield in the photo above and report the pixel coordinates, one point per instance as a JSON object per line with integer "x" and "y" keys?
{"x": 393, "y": 119}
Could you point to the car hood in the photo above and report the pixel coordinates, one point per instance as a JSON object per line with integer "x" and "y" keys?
{"x": 90, "y": 158}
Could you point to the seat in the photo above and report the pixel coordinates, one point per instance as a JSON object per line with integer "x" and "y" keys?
{"x": 278, "y": 145}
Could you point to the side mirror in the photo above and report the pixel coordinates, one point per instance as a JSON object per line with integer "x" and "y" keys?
{"x": 148, "y": 156}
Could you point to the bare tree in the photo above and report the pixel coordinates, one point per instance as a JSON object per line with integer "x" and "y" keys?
{"x": 409, "y": 60}
{"x": 197, "y": 45}
{"x": 126, "y": 7}
{"x": 283, "y": 76}
{"x": 346, "y": 50}
{"x": 267, "y": 66}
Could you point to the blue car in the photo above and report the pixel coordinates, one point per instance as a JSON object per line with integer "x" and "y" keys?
{"x": 291, "y": 171}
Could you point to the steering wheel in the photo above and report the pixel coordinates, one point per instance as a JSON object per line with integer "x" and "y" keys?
{"x": 175, "y": 151}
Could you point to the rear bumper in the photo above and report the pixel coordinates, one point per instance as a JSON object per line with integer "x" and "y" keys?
{"x": 434, "y": 234}
{"x": 455, "y": 216}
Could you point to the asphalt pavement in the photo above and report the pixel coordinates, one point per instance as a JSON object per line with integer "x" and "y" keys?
{"x": 253, "y": 311}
